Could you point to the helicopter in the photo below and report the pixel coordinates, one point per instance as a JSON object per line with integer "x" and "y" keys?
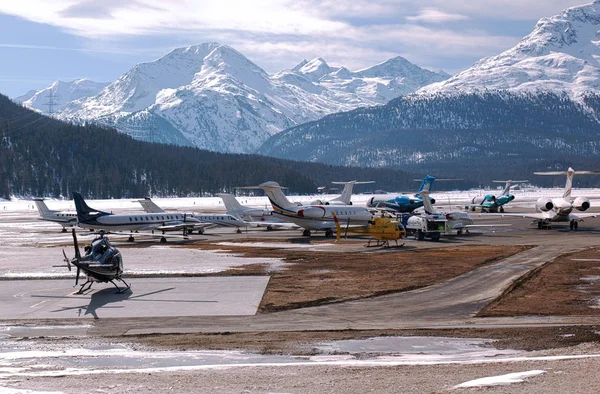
{"x": 381, "y": 229}
{"x": 101, "y": 263}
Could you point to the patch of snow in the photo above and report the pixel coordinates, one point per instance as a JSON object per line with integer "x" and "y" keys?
{"x": 510, "y": 378}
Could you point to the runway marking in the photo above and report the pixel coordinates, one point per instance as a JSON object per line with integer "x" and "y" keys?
{"x": 39, "y": 303}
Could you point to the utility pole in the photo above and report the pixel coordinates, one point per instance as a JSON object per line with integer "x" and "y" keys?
{"x": 52, "y": 102}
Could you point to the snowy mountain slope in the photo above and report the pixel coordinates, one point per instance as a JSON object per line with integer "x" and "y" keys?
{"x": 25, "y": 97}
{"x": 560, "y": 55}
{"x": 213, "y": 97}
{"x": 62, "y": 93}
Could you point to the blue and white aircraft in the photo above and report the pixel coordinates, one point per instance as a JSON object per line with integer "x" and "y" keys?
{"x": 491, "y": 203}
{"x": 403, "y": 203}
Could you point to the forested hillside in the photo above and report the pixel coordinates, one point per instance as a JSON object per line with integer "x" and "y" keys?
{"x": 478, "y": 136}
{"x": 41, "y": 156}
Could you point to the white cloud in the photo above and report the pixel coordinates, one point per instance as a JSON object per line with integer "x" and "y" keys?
{"x": 278, "y": 33}
{"x": 433, "y": 15}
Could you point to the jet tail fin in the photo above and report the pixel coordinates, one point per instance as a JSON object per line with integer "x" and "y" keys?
{"x": 427, "y": 205}
{"x": 42, "y": 207}
{"x": 570, "y": 173}
{"x": 426, "y": 184}
{"x": 278, "y": 200}
{"x": 232, "y": 205}
{"x": 150, "y": 206}
{"x": 346, "y": 196}
{"x": 507, "y": 185}
{"x": 84, "y": 212}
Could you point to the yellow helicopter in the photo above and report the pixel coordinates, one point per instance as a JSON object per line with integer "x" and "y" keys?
{"x": 381, "y": 229}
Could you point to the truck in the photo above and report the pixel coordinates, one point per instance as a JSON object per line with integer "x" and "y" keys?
{"x": 424, "y": 226}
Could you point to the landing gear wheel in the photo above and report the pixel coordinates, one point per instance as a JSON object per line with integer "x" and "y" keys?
{"x": 269, "y": 228}
{"x": 459, "y": 232}
{"x": 501, "y": 209}
{"x": 306, "y": 233}
{"x": 163, "y": 240}
{"x": 576, "y": 225}
{"x": 238, "y": 231}
{"x": 130, "y": 239}
{"x": 572, "y": 225}
{"x": 64, "y": 230}
{"x": 539, "y": 225}
{"x": 328, "y": 233}
{"x": 201, "y": 231}
{"x": 420, "y": 235}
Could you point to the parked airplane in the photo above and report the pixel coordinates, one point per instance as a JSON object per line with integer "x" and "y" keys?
{"x": 64, "y": 218}
{"x": 98, "y": 220}
{"x": 403, "y": 203}
{"x": 204, "y": 221}
{"x": 150, "y": 206}
{"x": 346, "y": 197}
{"x": 253, "y": 216}
{"x": 491, "y": 203}
{"x": 313, "y": 217}
{"x": 553, "y": 210}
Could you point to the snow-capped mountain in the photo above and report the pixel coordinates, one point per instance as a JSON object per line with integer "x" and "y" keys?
{"x": 62, "y": 93}
{"x": 213, "y": 97}
{"x": 560, "y": 55}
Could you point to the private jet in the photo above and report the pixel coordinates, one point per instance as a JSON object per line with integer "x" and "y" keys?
{"x": 98, "y": 220}
{"x": 64, "y": 218}
{"x": 204, "y": 221}
{"x": 557, "y": 210}
{"x": 313, "y": 217}
{"x": 491, "y": 203}
{"x": 253, "y": 216}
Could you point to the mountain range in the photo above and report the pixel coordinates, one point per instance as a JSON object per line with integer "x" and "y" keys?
{"x": 538, "y": 102}
{"x": 213, "y": 97}
{"x": 561, "y": 54}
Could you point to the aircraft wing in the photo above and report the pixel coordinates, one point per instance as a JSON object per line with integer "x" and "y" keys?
{"x": 287, "y": 225}
{"x": 532, "y": 215}
{"x": 584, "y": 215}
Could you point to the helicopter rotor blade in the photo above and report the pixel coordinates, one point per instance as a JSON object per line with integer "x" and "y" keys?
{"x": 67, "y": 260}
{"x": 76, "y": 245}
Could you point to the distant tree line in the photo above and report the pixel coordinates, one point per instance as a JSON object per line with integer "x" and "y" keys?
{"x": 41, "y": 156}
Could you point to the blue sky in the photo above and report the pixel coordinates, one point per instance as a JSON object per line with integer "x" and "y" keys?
{"x": 45, "y": 40}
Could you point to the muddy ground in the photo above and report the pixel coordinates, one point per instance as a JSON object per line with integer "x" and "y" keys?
{"x": 298, "y": 343}
{"x": 567, "y": 286}
{"x": 312, "y": 278}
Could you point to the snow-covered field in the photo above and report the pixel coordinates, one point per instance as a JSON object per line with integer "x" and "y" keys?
{"x": 209, "y": 204}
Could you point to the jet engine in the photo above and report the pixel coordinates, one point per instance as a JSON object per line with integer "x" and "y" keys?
{"x": 312, "y": 212}
{"x": 371, "y": 203}
{"x": 544, "y": 204}
{"x": 581, "y": 204}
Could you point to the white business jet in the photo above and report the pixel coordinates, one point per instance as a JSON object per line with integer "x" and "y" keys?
{"x": 98, "y": 220}
{"x": 552, "y": 210}
{"x": 204, "y": 220}
{"x": 253, "y": 216}
{"x": 64, "y": 218}
{"x": 313, "y": 217}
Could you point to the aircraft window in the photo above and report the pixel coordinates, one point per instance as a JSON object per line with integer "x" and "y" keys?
{"x": 136, "y": 219}
{"x": 130, "y": 219}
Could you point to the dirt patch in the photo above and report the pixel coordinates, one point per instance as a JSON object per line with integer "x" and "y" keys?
{"x": 299, "y": 343}
{"x": 312, "y": 278}
{"x": 569, "y": 285}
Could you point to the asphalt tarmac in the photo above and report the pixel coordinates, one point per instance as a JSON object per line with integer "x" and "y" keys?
{"x": 211, "y": 304}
